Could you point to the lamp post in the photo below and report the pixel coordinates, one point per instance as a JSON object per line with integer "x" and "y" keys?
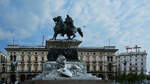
{"x": 124, "y": 62}
{"x": 17, "y": 78}
{"x": 116, "y": 74}
{"x": 15, "y": 65}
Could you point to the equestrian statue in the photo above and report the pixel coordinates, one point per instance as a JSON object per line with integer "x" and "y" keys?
{"x": 65, "y": 28}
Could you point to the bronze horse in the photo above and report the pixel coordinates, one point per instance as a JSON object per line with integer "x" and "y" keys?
{"x": 66, "y": 27}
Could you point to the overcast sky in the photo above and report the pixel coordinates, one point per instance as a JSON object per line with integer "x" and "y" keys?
{"x": 104, "y": 22}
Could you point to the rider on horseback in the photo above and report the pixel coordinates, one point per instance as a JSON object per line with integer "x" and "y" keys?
{"x": 69, "y": 22}
{"x": 67, "y": 27}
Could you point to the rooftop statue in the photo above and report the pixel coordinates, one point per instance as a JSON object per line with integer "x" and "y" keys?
{"x": 65, "y": 28}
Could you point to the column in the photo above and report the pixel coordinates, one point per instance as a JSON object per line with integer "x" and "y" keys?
{"x": 45, "y": 58}
{"x": 26, "y": 67}
{"x": 19, "y": 67}
{"x": 97, "y": 67}
{"x": 32, "y": 67}
{"x": 39, "y": 66}
{"x": 91, "y": 66}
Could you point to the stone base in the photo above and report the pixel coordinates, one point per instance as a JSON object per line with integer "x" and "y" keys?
{"x": 69, "y": 53}
{"x": 62, "y": 43}
{"x": 82, "y": 65}
{"x": 67, "y": 48}
{"x": 67, "y": 82}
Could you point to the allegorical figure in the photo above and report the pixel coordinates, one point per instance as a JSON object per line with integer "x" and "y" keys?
{"x": 65, "y": 28}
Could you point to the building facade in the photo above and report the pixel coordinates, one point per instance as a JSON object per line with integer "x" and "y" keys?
{"x": 132, "y": 62}
{"x": 30, "y": 61}
{"x": 3, "y": 66}
{"x": 100, "y": 61}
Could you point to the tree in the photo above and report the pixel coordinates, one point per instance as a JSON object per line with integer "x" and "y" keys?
{"x": 131, "y": 77}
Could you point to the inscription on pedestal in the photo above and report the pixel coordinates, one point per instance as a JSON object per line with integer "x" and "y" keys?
{"x": 67, "y": 48}
{"x": 69, "y": 53}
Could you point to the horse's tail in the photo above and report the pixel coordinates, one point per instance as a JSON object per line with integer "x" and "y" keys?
{"x": 80, "y": 32}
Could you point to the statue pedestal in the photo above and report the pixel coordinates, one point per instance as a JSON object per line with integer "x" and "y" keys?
{"x": 63, "y": 63}
{"x": 68, "y": 48}
{"x": 68, "y": 82}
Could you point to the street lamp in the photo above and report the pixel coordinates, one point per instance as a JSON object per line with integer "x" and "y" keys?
{"x": 124, "y": 62}
{"x": 15, "y": 64}
{"x": 116, "y": 73}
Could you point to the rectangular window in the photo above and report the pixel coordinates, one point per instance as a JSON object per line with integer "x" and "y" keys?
{"x": 14, "y": 57}
{"x": 36, "y": 67}
{"x": 43, "y": 59}
{"x": 29, "y": 68}
{"x": 94, "y": 67}
{"x": 1, "y": 58}
{"x": 29, "y": 53}
{"x": 100, "y": 68}
{"x": 101, "y": 58}
{"x": 111, "y": 59}
{"x": 11, "y": 57}
{"x": 88, "y": 68}
{"x": 3, "y": 69}
{"x": 135, "y": 59}
{"x": 23, "y": 68}
{"x": 29, "y": 58}
{"x": 22, "y": 53}
{"x": 141, "y": 63}
{"x": 36, "y": 59}
{"x": 22, "y": 58}
{"x": 142, "y": 59}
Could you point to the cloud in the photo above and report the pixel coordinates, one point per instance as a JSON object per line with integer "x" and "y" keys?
{"x": 22, "y": 18}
